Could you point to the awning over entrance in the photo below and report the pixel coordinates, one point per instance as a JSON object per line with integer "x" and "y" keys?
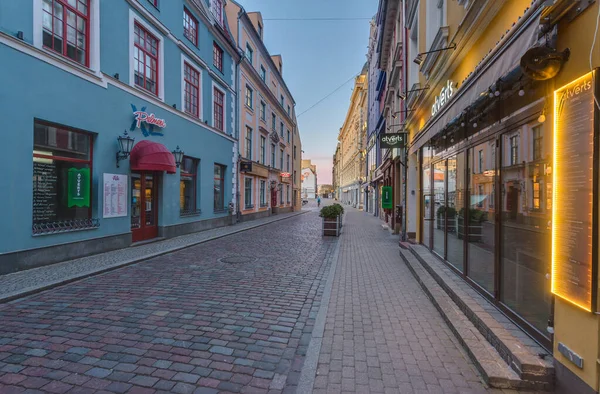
{"x": 152, "y": 156}
{"x": 505, "y": 60}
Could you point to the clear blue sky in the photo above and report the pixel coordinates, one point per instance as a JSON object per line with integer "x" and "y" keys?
{"x": 318, "y": 57}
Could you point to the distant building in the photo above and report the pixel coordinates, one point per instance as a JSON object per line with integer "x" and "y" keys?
{"x": 325, "y": 191}
{"x": 309, "y": 180}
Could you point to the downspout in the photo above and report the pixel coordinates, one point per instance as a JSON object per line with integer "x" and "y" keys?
{"x": 405, "y": 170}
{"x": 238, "y": 213}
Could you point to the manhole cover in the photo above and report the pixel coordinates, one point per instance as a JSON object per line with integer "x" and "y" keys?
{"x": 237, "y": 259}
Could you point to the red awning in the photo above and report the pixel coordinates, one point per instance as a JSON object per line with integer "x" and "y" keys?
{"x": 152, "y": 156}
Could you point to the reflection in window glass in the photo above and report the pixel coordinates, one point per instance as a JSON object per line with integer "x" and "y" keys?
{"x": 427, "y": 207}
{"x": 480, "y": 230}
{"x": 439, "y": 198}
{"x": 218, "y": 187}
{"x": 455, "y": 206}
{"x": 526, "y": 230}
{"x": 188, "y": 184}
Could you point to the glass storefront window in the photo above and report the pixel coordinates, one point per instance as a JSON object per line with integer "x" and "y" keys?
{"x": 187, "y": 185}
{"x": 526, "y": 234}
{"x": 480, "y": 230}
{"x": 455, "y": 204}
{"x": 218, "y": 187}
{"x": 439, "y": 208}
{"x": 427, "y": 207}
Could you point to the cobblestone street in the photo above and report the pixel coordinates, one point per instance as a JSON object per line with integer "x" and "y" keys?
{"x": 225, "y": 316}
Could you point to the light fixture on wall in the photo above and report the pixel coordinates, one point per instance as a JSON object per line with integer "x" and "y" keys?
{"x": 542, "y": 117}
{"x": 420, "y": 59}
{"x": 125, "y": 146}
{"x": 178, "y": 155}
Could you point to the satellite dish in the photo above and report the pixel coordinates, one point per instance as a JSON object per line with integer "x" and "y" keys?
{"x": 541, "y": 63}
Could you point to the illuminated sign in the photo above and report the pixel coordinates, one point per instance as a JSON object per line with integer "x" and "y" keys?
{"x": 285, "y": 175}
{"x": 392, "y": 140}
{"x": 443, "y": 98}
{"x": 572, "y": 186}
{"x": 245, "y": 166}
{"x": 141, "y": 119}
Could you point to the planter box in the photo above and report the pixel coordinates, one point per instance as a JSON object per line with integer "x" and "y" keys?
{"x": 331, "y": 227}
{"x": 474, "y": 230}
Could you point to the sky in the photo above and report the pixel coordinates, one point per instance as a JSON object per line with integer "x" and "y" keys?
{"x": 318, "y": 57}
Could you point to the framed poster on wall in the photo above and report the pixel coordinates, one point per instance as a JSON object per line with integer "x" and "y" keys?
{"x": 115, "y": 195}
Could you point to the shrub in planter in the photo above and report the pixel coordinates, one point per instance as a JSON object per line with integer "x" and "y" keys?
{"x": 445, "y": 213}
{"x": 330, "y": 215}
{"x": 476, "y": 219}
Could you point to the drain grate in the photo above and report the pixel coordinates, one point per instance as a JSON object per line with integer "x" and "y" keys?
{"x": 236, "y": 259}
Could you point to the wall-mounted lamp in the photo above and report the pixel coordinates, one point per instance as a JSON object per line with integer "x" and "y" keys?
{"x": 20, "y": 35}
{"x": 125, "y": 146}
{"x": 116, "y": 76}
{"x": 175, "y": 106}
{"x": 542, "y": 117}
{"x": 419, "y": 59}
{"x": 178, "y": 154}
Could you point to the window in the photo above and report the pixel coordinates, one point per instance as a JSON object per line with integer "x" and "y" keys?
{"x": 281, "y": 195}
{"x": 288, "y": 110}
{"x": 249, "y": 96}
{"x": 260, "y": 30}
{"x": 480, "y": 161}
{"x": 263, "y": 193}
{"x": 192, "y": 90}
{"x": 153, "y": 2}
{"x": 288, "y": 164}
{"x": 282, "y": 101}
{"x": 248, "y": 193}
{"x": 263, "y": 73}
{"x": 66, "y": 28}
{"x": 287, "y": 193}
{"x": 190, "y": 26}
{"x": 281, "y": 129}
{"x": 218, "y": 187}
{"x": 514, "y": 150}
{"x": 537, "y": 194}
{"x": 145, "y": 56}
{"x": 281, "y": 160}
{"x": 248, "y": 143}
{"x": 538, "y": 139}
{"x": 217, "y": 10}
{"x": 263, "y": 148}
{"x": 217, "y": 57}
{"x": 294, "y": 176}
{"x": 273, "y": 154}
{"x": 288, "y": 135}
{"x": 481, "y": 196}
{"x": 273, "y": 121}
{"x": 294, "y": 152}
{"x": 249, "y": 53}
{"x": 218, "y": 109}
{"x": 263, "y": 111}
{"x": 62, "y": 170}
{"x": 187, "y": 185}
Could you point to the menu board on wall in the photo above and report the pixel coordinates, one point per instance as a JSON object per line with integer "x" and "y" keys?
{"x": 573, "y": 189}
{"x": 115, "y": 196}
{"x": 45, "y": 191}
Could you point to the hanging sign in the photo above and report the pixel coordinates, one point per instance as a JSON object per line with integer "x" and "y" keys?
{"x": 443, "y": 98}
{"x": 245, "y": 166}
{"x": 386, "y": 197}
{"x": 572, "y": 207}
{"x": 115, "y": 195}
{"x": 79, "y": 187}
{"x": 392, "y": 140}
{"x": 146, "y": 122}
{"x": 285, "y": 175}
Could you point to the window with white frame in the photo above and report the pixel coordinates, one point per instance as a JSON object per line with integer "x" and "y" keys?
{"x": 263, "y": 111}
{"x": 288, "y": 164}
{"x": 281, "y": 129}
{"x": 190, "y": 26}
{"x": 248, "y": 143}
{"x": 263, "y": 193}
{"x": 288, "y": 136}
{"x": 263, "y": 149}
{"x": 217, "y": 10}
{"x": 514, "y": 150}
{"x": 281, "y": 159}
{"x": 282, "y": 101}
{"x": 249, "y": 53}
{"x": 145, "y": 59}
{"x": 218, "y": 109}
{"x": 248, "y": 193}
{"x": 434, "y": 20}
{"x": 249, "y": 97}
{"x": 273, "y": 121}
{"x": 263, "y": 73}
{"x": 66, "y": 28}
{"x": 273, "y": 154}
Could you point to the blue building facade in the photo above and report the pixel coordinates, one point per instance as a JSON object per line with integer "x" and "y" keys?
{"x": 76, "y": 76}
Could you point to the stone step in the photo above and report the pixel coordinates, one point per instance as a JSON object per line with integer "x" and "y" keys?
{"x": 493, "y": 367}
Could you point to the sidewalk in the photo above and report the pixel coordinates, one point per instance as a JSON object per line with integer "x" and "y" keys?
{"x": 23, "y": 283}
{"x": 380, "y": 331}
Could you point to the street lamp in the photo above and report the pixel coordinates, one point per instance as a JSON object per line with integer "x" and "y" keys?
{"x": 178, "y": 154}
{"x": 125, "y": 146}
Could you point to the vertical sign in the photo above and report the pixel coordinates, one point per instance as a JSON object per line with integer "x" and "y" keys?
{"x": 115, "y": 196}
{"x": 386, "y": 197}
{"x": 573, "y": 192}
{"x": 79, "y": 187}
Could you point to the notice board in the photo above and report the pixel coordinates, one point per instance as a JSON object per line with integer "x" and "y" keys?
{"x": 115, "y": 195}
{"x": 573, "y": 187}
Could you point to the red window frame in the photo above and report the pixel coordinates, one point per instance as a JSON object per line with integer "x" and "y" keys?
{"x": 218, "y": 109}
{"x": 217, "y": 57}
{"x": 154, "y": 3}
{"x": 219, "y": 10}
{"x": 191, "y": 77}
{"x": 139, "y": 33}
{"x": 190, "y": 26}
{"x": 62, "y": 22}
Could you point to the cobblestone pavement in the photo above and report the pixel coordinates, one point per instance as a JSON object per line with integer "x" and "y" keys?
{"x": 183, "y": 322}
{"x": 381, "y": 332}
{"x": 24, "y": 282}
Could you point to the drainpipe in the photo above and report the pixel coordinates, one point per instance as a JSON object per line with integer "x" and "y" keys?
{"x": 237, "y": 118}
{"x": 405, "y": 170}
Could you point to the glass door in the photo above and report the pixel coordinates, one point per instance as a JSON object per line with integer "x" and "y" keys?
{"x": 144, "y": 206}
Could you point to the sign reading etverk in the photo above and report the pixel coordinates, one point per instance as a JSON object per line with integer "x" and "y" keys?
{"x": 443, "y": 98}
{"x": 392, "y": 140}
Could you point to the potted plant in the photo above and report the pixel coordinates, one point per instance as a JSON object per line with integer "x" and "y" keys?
{"x": 331, "y": 220}
{"x": 341, "y": 213}
{"x": 476, "y": 219}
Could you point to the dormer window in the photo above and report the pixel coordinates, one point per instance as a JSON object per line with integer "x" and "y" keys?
{"x": 217, "y": 10}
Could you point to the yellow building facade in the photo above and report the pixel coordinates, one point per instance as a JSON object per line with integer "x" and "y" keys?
{"x": 503, "y": 128}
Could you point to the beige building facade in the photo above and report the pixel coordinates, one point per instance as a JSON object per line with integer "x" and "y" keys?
{"x": 352, "y": 144}
{"x": 269, "y": 142}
